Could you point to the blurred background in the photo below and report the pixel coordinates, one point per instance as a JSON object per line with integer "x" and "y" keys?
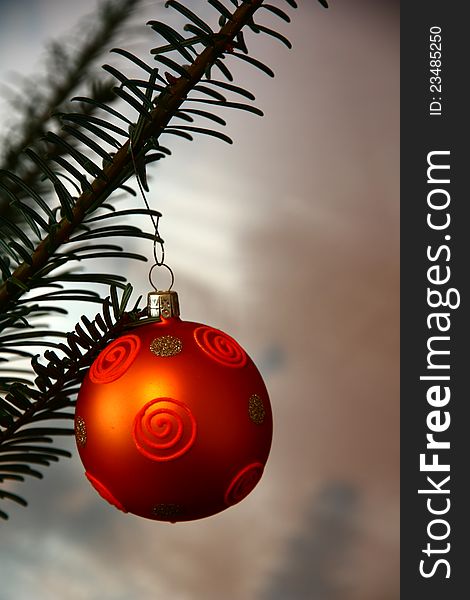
{"x": 287, "y": 240}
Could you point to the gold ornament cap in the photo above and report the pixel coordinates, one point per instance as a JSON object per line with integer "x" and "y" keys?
{"x": 163, "y": 304}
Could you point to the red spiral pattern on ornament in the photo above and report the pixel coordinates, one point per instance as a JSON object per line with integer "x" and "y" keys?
{"x": 115, "y": 359}
{"x": 220, "y": 347}
{"x": 104, "y": 492}
{"x": 243, "y": 483}
{"x": 164, "y": 429}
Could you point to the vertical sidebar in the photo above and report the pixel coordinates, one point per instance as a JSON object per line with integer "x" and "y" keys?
{"x": 435, "y": 310}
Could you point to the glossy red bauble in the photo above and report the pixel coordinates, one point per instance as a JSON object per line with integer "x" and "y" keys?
{"x": 173, "y": 422}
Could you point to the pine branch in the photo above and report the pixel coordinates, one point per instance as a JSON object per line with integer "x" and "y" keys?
{"x": 37, "y": 110}
{"x": 64, "y": 76}
{"x": 31, "y": 175}
{"x": 69, "y": 231}
{"x": 59, "y": 374}
{"x": 120, "y": 167}
{"x": 23, "y": 441}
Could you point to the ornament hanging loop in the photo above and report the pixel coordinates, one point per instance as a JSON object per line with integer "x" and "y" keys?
{"x": 159, "y": 257}
{"x": 153, "y": 283}
{"x": 158, "y": 246}
{"x": 161, "y": 304}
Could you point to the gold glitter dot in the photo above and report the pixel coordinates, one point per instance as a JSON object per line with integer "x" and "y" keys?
{"x": 166, "y": 345}
{"x": 167, "y": 511}
{"x": 256, "y": 410}
{"x": 80, "y": 431}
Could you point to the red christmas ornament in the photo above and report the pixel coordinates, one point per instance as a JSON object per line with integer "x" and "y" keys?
{"x": 173, "y": 420}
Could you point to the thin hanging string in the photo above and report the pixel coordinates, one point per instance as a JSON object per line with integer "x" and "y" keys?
{"x": 158, "y": 242}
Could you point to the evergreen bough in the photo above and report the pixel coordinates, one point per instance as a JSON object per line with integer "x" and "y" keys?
{"x": 48, "y": 229}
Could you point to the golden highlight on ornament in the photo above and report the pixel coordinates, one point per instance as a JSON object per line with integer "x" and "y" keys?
{"x": 166, "y": 345}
